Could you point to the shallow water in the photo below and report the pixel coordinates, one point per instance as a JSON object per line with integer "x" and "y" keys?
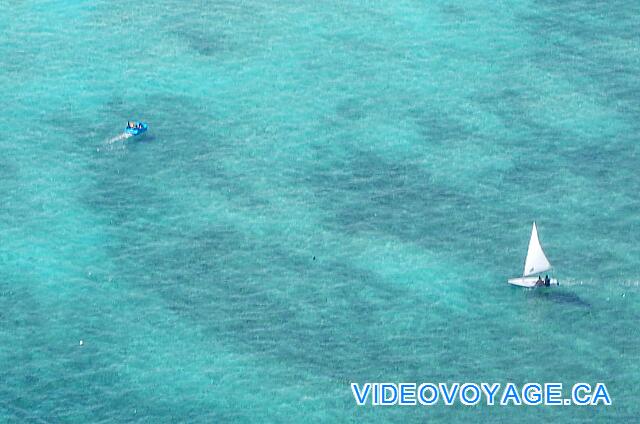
{"x": 406, "y": 146}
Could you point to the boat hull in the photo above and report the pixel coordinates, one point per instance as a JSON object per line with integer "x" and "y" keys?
{"x": 136, "y": 130}
{"x": 529, "y": 282}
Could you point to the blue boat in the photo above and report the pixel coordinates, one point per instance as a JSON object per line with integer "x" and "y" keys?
{"x": 136, "y": 128}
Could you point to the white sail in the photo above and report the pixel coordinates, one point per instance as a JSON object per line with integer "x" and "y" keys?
{"x": 536, "y": 261}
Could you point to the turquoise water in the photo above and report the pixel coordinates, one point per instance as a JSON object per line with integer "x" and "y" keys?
{"x": 404, "y": 145}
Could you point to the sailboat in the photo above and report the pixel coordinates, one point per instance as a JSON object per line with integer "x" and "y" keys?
{"x": 535, "y": 265}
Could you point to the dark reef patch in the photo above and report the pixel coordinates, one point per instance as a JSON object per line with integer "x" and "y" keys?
{"x": 363, "y": 192}
{"x": 586, "y": 53}
{"x": 205, "y": 42}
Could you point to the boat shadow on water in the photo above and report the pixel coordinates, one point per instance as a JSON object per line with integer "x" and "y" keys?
{"x": 143, "y": 138}
{"x": 561, "y": 297}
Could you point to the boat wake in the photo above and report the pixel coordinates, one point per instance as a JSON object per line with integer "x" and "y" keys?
{"x": 119, "y": 137}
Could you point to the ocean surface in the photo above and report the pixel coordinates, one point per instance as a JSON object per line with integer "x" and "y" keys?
{"x": 329, "y": 192}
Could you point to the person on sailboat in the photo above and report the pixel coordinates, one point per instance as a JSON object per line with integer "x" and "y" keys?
{"x": 539, "y": 282}
{"x": 547, "y": 281}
